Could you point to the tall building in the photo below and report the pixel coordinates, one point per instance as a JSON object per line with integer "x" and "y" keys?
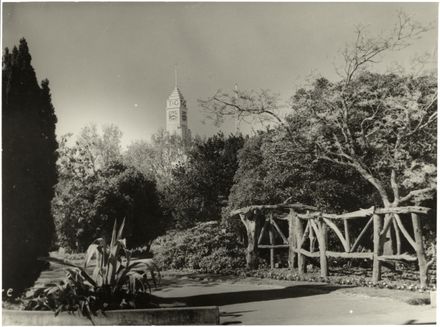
{"x": 177, "y": 115}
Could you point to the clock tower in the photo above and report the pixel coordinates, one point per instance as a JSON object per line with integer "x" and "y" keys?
{"x": 177, "y": 116}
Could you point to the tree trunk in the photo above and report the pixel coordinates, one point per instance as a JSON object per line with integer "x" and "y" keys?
{"x": 398, "y": 240}
{"x": 389, "y": 241}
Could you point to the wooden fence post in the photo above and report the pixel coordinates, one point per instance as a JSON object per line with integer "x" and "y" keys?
{"x": 397, "y": 236}
{"x": 251, "y": 230}
{"x": 323, "y": 248}
{"x": 377, "y": 251}
{"x": 299, "y": 235}
{"x": 271, "y": 241}
{"x": 312, "y": 239}
{"x": 347, "y": 234}
{"x": 423, "y": 267}
{"x": 292, "y": 239}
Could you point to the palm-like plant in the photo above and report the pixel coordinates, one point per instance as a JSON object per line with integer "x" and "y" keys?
{"x": 115, "y": 282}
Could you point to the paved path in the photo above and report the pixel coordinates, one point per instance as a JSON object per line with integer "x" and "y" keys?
{"x": 256, "y": 303}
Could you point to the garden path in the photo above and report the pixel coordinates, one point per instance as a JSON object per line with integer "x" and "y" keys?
{"x": 253, "y": 301}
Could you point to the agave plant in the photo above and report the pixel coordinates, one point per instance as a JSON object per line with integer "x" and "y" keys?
{"x": 114, "y": 268}
{"x": 115, "y": 282}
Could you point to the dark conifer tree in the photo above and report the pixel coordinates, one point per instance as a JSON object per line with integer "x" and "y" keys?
{"x": 29, "y": 169}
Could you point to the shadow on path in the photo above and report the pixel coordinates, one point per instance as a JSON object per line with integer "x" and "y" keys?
{"x": 228, "y": 298}
{"x": 414, "y": 322}
{"x": 225, "y": 315}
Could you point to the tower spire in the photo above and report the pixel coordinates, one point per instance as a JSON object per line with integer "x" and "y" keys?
{"x": 175, "y": 76}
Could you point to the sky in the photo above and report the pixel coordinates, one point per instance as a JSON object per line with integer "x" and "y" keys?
{"x": 113, "y": 63}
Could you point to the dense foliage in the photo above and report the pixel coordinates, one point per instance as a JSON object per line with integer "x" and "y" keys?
{"x": 381, "y": 125}
{"x": 89, "y": 196}
{"x": 157, "y": 159}
{"x": 200, "y": 186}
{"x": 272, "y": 169}
{"x": 368, "y": 138}
{"x": 116, "y": 282}
{"x": 29, "y": 169}
{"x": 208, "y": 247}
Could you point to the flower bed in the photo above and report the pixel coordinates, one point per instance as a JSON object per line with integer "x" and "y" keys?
{"x": 288, "y": 274}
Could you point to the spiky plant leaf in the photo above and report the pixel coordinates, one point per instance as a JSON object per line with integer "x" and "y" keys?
{"x": 121, "y": 229}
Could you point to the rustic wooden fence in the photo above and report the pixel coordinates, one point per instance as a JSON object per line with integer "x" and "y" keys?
{"x": 309, "y": 227}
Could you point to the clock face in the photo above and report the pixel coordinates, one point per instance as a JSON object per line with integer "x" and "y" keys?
{"x": 172, "y": 115}
{"x": 183, "y": 115}
{"x": 173, "y": 102}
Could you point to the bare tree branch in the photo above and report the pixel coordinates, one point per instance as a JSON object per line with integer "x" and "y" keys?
{"x": 414, "y": 193}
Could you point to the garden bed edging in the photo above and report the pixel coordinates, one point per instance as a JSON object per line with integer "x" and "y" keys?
{"x": 163, "y": 316}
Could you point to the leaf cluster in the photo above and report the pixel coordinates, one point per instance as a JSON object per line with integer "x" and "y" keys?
{"x": 200, "y": 186}
{"x": 116, "y": 281}
{"x": 377, "y": 124}
{"x": 84, "y": 207}
{"x": 208, "y": 247}
{"x": 272, "y": 169}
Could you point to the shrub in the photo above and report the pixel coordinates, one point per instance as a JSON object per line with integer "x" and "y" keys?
{"x": 208, "y": 247}
{"x": 116, "y": 282}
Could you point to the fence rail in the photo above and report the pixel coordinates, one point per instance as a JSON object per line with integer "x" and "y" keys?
{"x": 309, "y": 230}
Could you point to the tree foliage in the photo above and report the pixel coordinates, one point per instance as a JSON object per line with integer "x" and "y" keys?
{"x": 200, "y": 186}
{"x": 380, "y": 125}
{"x": 383, "y": 126}
{"x": 158, "y": 158}
{"x": 29, "y": 169}
{"x": 271, "y": 171}
{"x": 89, "y": 198}
{"x": 100, "y": 149}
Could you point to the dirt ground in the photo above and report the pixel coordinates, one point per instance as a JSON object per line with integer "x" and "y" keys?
{"x": 252, "y": 301}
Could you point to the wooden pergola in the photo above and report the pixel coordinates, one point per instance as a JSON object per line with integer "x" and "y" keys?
{"x": 308, "y": 225}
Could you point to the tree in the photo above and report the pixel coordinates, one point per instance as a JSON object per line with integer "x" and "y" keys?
{"x": 159, "y": 157}
{"x": 244, "y": 105}
{"x": 249, "y": 187}
{"x": 380, "y": 125}
{"x": 345, "y": 123}
{"x": 141, "y": 154}
{"x": 89, "y": 197}
{"x": 29, "y": 169}
{"x": 270, "y": 171}
{"x": 200, "y": 186}
{"x": 101, "y": 149}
